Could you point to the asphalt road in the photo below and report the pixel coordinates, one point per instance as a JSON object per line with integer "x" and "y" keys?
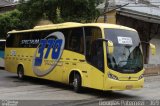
{"x": 32, "y": 91}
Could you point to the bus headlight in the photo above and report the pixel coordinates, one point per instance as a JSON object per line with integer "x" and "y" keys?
{"x": 112, "y": 76}
{"x": 140, "y": 77}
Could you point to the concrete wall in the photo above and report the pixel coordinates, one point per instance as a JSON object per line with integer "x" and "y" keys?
{"x": 151, "y": 69}
{"x": 155, "y": 59}
{"x": 111, "y": 18}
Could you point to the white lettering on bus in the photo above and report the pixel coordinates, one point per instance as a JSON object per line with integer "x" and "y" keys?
{"x": 36, "y": 41}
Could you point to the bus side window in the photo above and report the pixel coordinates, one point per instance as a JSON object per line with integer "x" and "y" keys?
{"x": 10, "y": 40}
{"x": 75, "y": 40}
{"x": 17, "y": 41}
{"x": 2, "y": 46}
{"x": 94, "y": 49}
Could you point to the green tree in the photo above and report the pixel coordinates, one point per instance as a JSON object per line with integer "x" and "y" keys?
{"x": 9, "y": 21}
{"x": 78, "y": 10}
{"x": 35, "y": 10}
{"x": 30, "y": 13}
{"x": 69, "y": 10}
{"x": 58, "y": 16}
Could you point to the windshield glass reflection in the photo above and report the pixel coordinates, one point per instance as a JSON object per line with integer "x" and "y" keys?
{"x": 127, "y": 56}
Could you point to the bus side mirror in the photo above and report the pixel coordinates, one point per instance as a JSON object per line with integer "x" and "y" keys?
{"x": 110, "y": 47}
{"x": 152, "y": 48}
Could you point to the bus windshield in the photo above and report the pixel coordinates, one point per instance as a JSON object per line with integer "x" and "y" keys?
{"x": 127, "y": 56}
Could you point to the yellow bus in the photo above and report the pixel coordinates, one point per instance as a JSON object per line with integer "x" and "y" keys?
{"x": 93, "y": 55}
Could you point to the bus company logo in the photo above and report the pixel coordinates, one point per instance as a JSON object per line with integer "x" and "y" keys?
{"x": 49, "y": 50}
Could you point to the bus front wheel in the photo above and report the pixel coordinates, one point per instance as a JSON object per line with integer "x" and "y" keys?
{"x": 20, "y": 72}
{"x": 77, "y": 83}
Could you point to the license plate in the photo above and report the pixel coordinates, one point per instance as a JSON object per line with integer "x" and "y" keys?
{"x": 129, "y": 86}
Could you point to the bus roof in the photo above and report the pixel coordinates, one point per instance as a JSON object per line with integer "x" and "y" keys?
{"x": 71, "y": 25}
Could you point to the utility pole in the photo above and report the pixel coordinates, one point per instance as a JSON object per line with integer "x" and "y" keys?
{"x": 105, "y": 10}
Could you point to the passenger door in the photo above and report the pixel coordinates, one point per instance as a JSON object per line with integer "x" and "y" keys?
{"x": 94, "y": 57}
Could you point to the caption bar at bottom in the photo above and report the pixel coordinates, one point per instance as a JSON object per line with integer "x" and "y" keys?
{"x": 100, "y": 102}
{"x": 129, "y": 103}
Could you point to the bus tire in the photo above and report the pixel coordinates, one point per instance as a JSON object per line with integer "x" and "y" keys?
{"x": 20, "y": 72}
{"x": 77, "y": 83}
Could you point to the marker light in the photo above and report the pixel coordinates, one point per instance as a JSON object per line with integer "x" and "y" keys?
{"x": 140, "y": 77}
{"x": 112, "y": 76}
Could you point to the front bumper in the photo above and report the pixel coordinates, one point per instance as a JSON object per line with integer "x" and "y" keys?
{"x": 123, "y": 85}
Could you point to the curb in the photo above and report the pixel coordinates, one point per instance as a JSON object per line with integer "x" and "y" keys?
{"x": 148, "y": 75}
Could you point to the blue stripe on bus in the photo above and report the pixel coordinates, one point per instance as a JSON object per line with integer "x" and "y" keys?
{"x": 1, "y": 54}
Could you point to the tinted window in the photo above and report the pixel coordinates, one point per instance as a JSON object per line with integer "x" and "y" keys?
{"x": 2, "y": 45}
{"x": 25, "y": 40}
{"x": 13, "y": 40}
{"x": 94, "y": 48}
{"x": 127, "y": 56}
{"x": 74, "y": 39}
